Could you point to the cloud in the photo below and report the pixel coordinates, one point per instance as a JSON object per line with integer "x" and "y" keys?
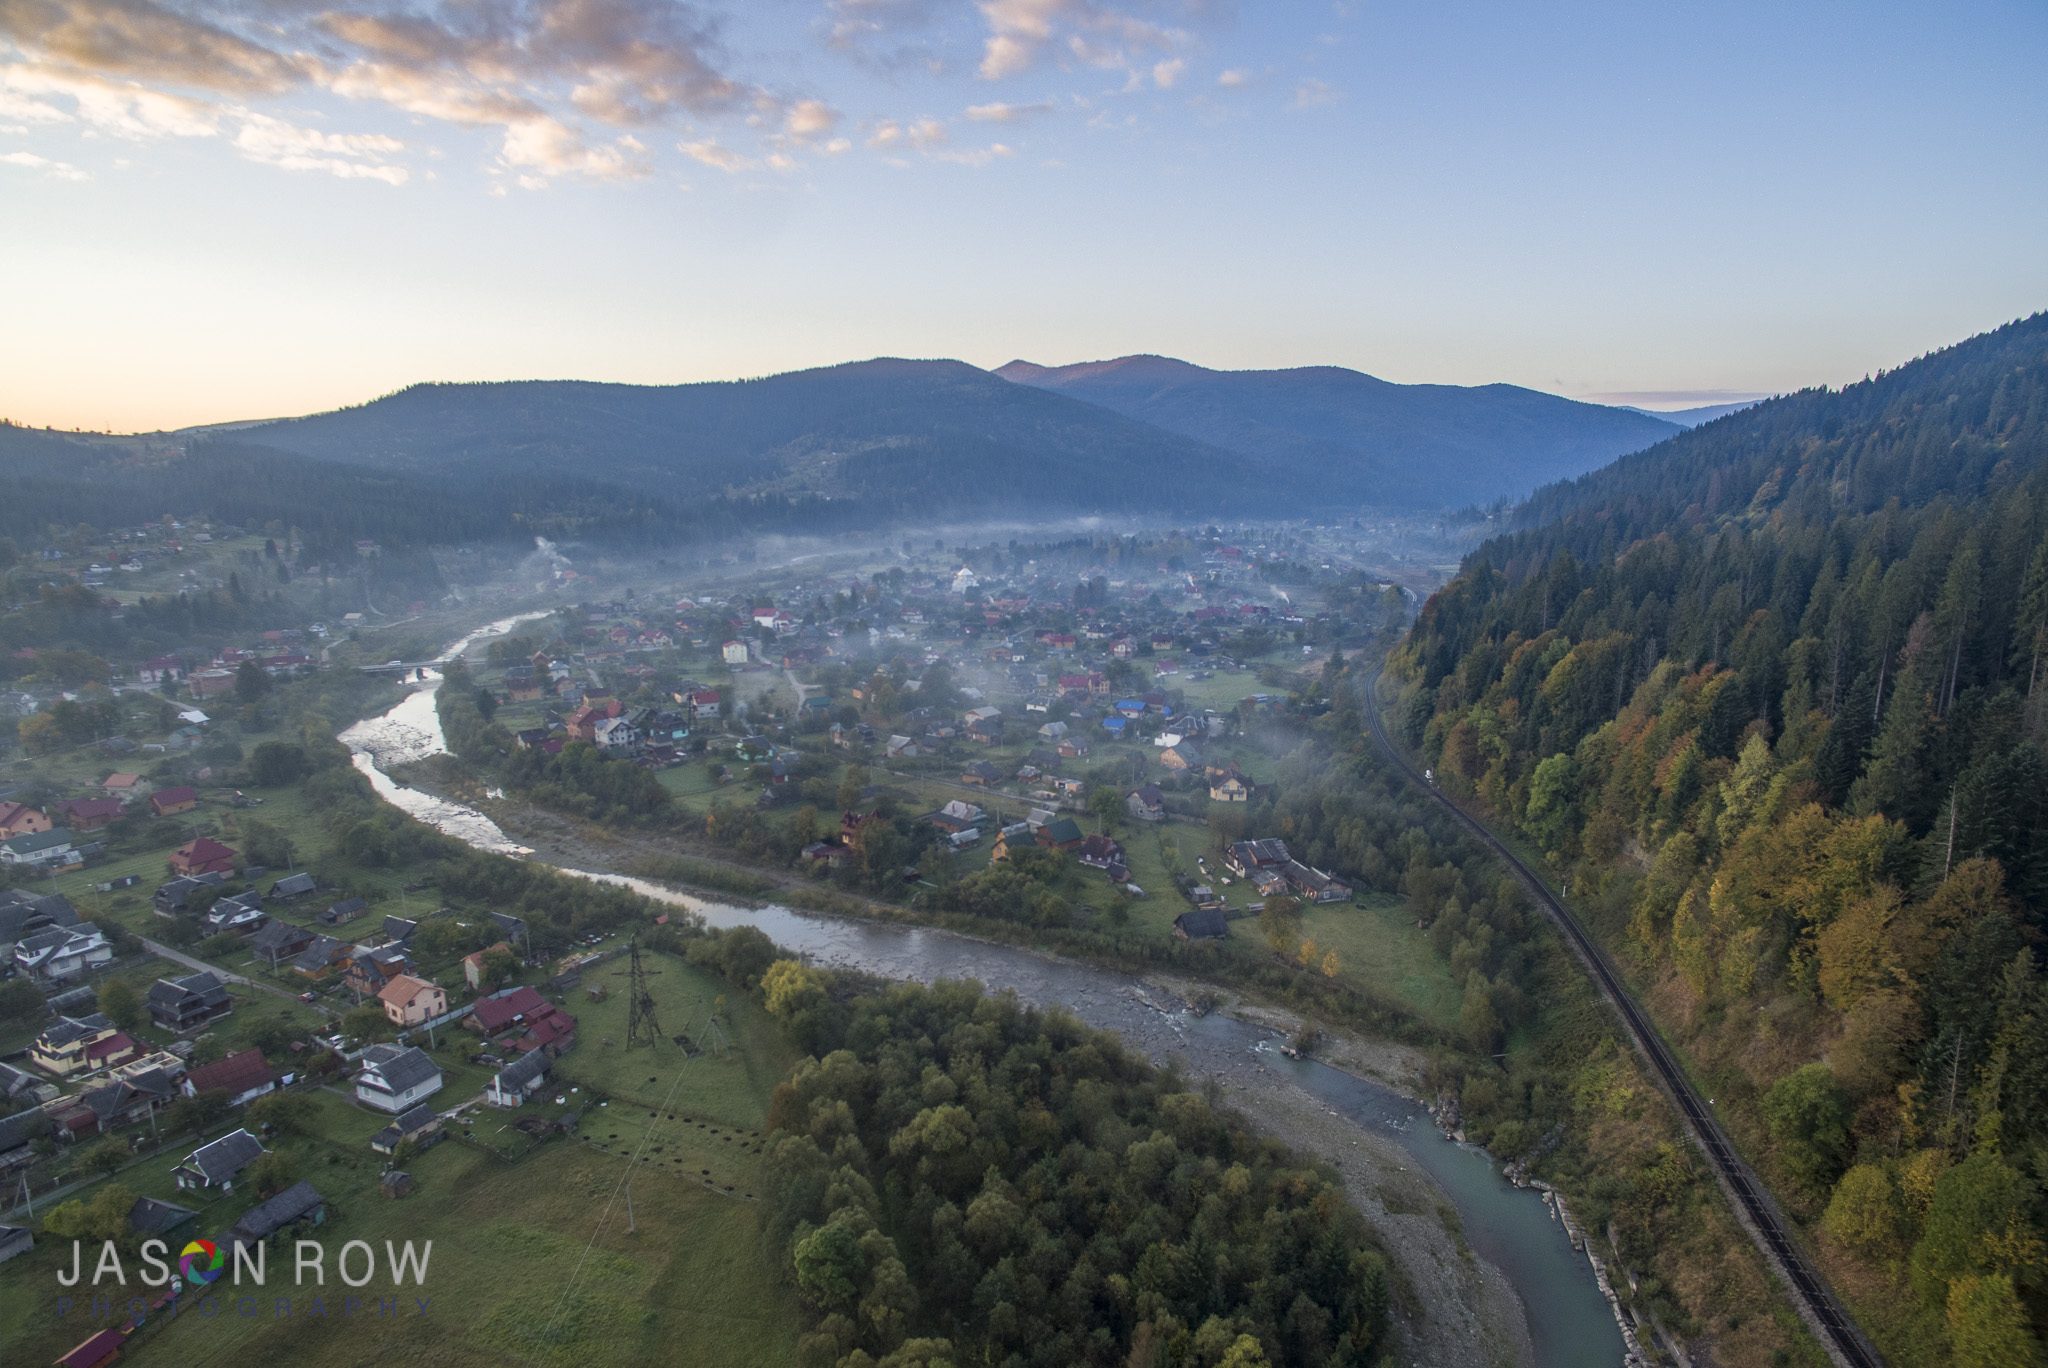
{"x": 711, "y": 154}
{"x": 543, "y": 73}
{"x": 354, "y": 156}
{"x": 1021, "y": 31}
{"x": 979, "y": 156}
{"x": 1164, "y": 74}
{"x": 54, "y": 169}
{"x": 124, "y": 109}
{"x": 1000, "y": 112}
{"x": 145, "y": 41}
{"x": 810, "y": 118}
{"x": 1236, "y": 76}
{"x": 1312, "y": 94}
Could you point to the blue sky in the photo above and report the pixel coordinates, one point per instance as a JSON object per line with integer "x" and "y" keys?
{"x": 216, "y": 209}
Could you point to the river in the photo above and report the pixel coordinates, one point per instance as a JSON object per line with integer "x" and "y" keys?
{"x": 1570, "y": 1323}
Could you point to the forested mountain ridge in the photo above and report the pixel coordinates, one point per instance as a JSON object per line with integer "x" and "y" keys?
{"x": 1771, "y": 698}
{"x": 1363, "y": 439}
{"x": 895, "y": 435}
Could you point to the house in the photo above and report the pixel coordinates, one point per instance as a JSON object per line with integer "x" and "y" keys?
{"x": 174, "y": 897}
{"x": 517, "y": 1081}
{"x": 185, "y": 1004}
{"x": 1204, "y": 923}
{"x": 1146, "y": 804}
{"x": 421, "y": 1125}
{"x": 172, "y": 801}
{"x": 244, "y": 1076}
{"x": 320, "y": 956}
{"x": 616, "y": 734}
{"x": 149, "y": 1216}
{"x": 15, "y": 1240}
{"x": 19, "y": 819}
{"x": 243, "y": 914}
{"x": 203, "y": 856}
{"x": 503, "y": 1011}
{"x": 347, "y": 910}
{"x": 24, "y": 914}
{"x": 473, "y": 964}
{"x": 299, "y": 1205}
{"x": 279, "y": 941}
{"x": 956, "y": 816}
{"x": 408, "y": 1001}
{"x": 208, "y": 683}
{"x": 1181, "y": 757}
{"x": 399, "y": 929}
{"x": 1061, "y": 833}
{"x": 1101, "y": 852}
{"x": 115, "y": 1103}
{"x": 1230, "y": 789}
{"x": 1053, "y": 731}
{"x": 983, "y": 773}
{"x": 124, "y": 785}
{"x": 96, "y": 1350}
{"x": 394, "y": 1077}
{"x": 80, "y": 1045}
{"x": 292, "y": 886}
{"x": 902, "y": 747}
{"x": 53, "y": 848}
{"x": 1245, "y": 856}
{"x": 62, "y": 952}
{"x": 90, "y": 814}
{"x": 1314, "y": 884}
{"x": 703, "y": 703}
{"x": 20, "y": 1087}
{"x": 733, "y": 652}
{"x": 216, "y": 1164}
{"x": 369, "y": 968}
{"x": 1072, "y": 748}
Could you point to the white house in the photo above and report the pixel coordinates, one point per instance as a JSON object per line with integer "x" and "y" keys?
{"x": 734, "y": 652}
{"x": 517, "y": 1081}
{"x": 39, "y": 848}
{"x": 62, "y": 952}
{"x": 616, "y": 734}
{"x": 394, "y": 1077}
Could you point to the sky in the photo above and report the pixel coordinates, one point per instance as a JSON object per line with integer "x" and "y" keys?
{"x": 214, "y": 210}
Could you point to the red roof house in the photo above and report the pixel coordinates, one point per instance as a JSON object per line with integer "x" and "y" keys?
{"x": 203, "y": 856}
{"x": 170, "y": 801}
{"x": 242, "y": 1075}
{"x": 494, "y": 1014}
{"x": 90, "y": 814}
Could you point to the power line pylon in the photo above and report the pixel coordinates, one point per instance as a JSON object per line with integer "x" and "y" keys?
{"x": 642, "y": 1026}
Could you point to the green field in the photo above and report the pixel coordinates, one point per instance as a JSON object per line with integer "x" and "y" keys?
{"x": 1379, "y": 947}
{"x": 532, "y": 1261}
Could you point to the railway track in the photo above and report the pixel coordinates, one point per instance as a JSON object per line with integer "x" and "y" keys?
{"x": 1816, "y": 1304}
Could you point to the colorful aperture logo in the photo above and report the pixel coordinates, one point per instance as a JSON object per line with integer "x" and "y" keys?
{"x": 201, "y": 1261}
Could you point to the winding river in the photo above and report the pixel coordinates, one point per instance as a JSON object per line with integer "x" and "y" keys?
{"x": 1570, "y": 1323}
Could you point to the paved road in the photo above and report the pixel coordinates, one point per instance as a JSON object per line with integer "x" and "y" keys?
{"x": 1753, "y": 1205}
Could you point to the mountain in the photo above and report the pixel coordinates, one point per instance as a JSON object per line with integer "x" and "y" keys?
{"x": 897, "y": 436}
{"x": 1770, "y": 697}
{"x": 1693, "y": 417}
{"x": 1361, "y": 439}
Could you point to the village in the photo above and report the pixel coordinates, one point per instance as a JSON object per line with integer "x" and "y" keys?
{"x": 244, "y": 1012}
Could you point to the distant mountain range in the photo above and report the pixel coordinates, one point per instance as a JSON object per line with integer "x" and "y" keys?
{"x": 1357, "y": 439}
{"x": 1694, "y": 417}
{"x": 865, "y": 444}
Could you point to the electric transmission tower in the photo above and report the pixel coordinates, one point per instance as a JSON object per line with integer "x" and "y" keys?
{"x": 642, "y": 1026}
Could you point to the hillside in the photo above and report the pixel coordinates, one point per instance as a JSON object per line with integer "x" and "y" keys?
{"x": 1770, "y": 697}
{"x": 898, "y": 436}
{"x": 1361, "y": 439}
